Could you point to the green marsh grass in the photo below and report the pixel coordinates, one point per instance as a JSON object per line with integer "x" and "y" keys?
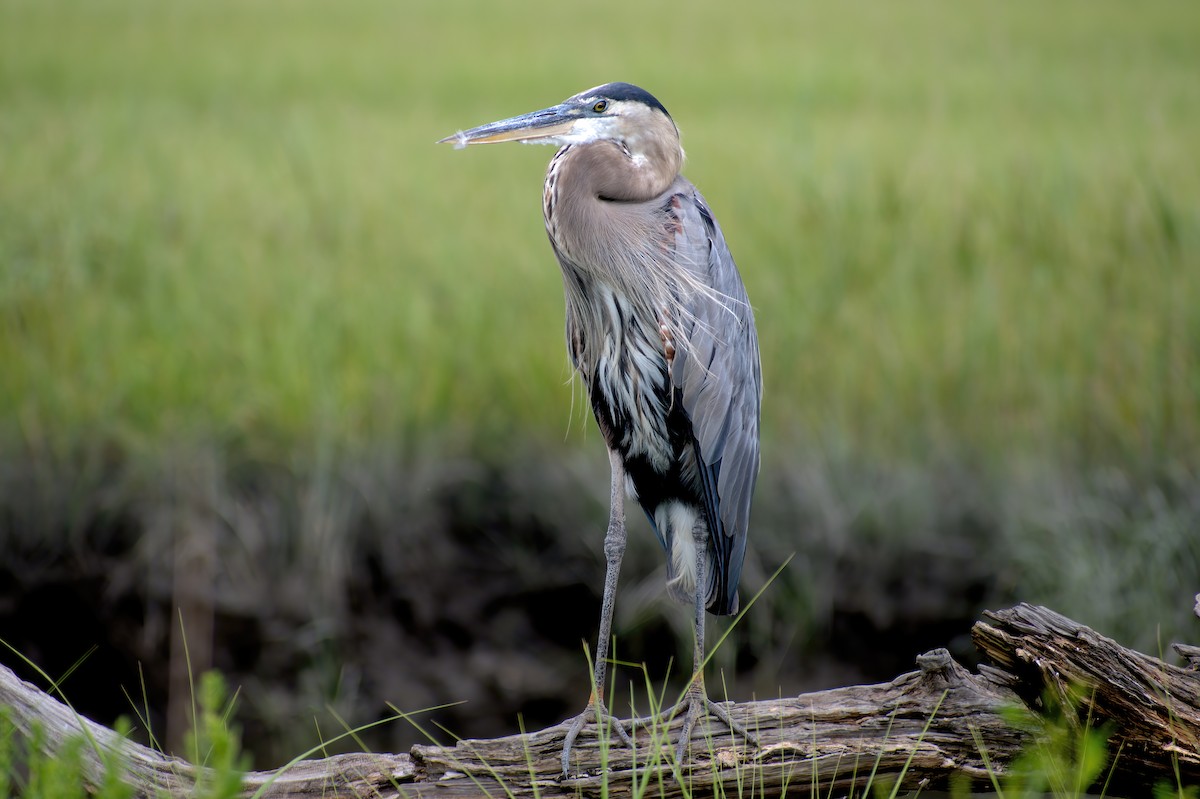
{"x": 972, "y": 226}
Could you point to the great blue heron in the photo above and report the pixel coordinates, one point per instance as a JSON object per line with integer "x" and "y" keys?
{"x": 661, "y": 332}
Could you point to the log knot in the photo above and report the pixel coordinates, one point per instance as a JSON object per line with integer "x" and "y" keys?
{"x": 938, "y": 670}
{"x": 934, "y": 661}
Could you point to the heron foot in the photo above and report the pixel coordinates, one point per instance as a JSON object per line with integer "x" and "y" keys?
{"x": 699, "y": 705}
{"x": 595, "y": 711}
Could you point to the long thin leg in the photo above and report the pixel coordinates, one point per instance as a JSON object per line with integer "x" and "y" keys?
{"x": 697, "y": 697}
{"x": 614, "y": 550}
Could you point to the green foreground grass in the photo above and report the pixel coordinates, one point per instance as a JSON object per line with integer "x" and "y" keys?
{"x": 970, "y": 226}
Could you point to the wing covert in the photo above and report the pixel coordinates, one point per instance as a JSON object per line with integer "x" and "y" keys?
{"x": 719, "y": 380}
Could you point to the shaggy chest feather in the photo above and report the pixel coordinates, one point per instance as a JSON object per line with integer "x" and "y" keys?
{"x": 629, "y": 382}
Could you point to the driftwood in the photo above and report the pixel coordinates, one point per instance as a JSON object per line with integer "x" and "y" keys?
{"x": 921, "y": 728}
{"x": 1154, "y": 706}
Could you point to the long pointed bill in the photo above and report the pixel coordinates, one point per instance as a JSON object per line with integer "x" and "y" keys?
{"x": 533, "y": 128}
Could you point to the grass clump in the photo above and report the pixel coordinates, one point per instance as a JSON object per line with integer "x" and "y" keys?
{"x": 29, "y": 769}
{"x": 1068, "y": 755}
{"x": 214, "y": 744}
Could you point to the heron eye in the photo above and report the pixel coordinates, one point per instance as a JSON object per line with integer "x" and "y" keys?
{"x": 600, "y": 107}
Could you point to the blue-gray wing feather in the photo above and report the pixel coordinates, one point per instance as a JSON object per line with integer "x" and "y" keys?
{"x": 719, "y": 379}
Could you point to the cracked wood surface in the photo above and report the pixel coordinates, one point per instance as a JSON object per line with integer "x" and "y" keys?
{"x": 1154, "y": 706}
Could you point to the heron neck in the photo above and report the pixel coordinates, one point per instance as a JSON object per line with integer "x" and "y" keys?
{"x": 612, "y": 247}
{"x": 603, "y": 212}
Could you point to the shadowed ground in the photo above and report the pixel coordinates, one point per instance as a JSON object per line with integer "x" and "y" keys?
{"x": 424, "y": 586}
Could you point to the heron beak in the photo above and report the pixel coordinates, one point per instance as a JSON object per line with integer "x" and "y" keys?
{"x": 536, "y": 127}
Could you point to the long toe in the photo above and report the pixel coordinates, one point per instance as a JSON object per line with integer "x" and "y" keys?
{"x": 606, "y": 723}
{"x": 698, "y": 705}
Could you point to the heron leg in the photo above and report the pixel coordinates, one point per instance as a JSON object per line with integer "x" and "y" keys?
{"x": 614, "y": 550}
{"x": 697, "y": 701}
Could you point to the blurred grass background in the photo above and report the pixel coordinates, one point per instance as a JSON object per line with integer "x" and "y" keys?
{"x": 237, "y": 275}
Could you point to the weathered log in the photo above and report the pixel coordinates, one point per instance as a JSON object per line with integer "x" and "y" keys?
{"x": 918, "y": 728}
{"x": 921, "y": 728}
{"x": 1154, "y": 706}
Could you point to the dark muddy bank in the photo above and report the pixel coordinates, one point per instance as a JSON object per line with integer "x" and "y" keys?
{"x": 330, "y": 590}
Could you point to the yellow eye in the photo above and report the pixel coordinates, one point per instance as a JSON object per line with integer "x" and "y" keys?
{"x": 600, "y": 106}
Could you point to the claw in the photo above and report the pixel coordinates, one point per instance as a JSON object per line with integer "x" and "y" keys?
{"x": 706, "y": 706}
{"x": 599, "y": 713}
{"x": 698, "y": 706}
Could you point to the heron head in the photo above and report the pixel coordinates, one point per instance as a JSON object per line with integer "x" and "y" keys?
{"x": 616, "y": 112}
